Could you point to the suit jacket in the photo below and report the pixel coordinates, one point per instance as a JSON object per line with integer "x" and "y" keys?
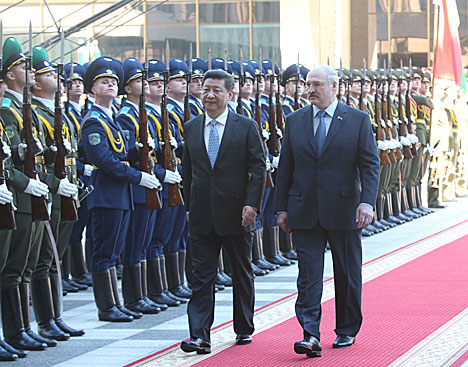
{"x": 216, "y": 196}
{"x": 329, "y": 188}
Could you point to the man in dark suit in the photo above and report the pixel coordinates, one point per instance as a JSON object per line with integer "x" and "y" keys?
{"x": 223, "y": 172}
{"x": 326, "y": 188}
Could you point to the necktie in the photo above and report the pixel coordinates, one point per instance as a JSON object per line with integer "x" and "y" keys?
{"x": 213, "y": 143}
{"x": 321, "y": 133}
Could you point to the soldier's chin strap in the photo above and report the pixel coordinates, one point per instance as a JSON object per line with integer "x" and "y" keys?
{"x": 57, "y": 263}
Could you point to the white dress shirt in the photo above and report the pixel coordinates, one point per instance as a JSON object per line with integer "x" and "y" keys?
{"x": 221, "y": 124}
{"x": 330, "y": 111}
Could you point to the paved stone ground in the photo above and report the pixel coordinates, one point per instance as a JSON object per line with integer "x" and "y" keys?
{"x": 113, "y": 344}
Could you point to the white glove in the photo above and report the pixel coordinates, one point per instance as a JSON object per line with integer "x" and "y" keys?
{"x": 279, "y": 134}
{"x": 53, "y": 148}
{"x": 6, "y": 150}
{"x": 6, "y": 197}
{"x": 151, "y": 142}
{"x": 67, "y": 146}
{"x": 173, "y": 142}
{"x": 396, "y": 143}
{"x": 88, "y": 169}
{"x": 405, "y": 141}
{"x": 430, "y": 150}
{"x": 66, "y": 188}
{"x": 22, "y": 148}
{"x": 149, "y": 181}
{"x": 413, "y": 138}
{"x": 275, "y": 162}
{"x": 39, "y": 147}
{"x": 36, "y": 188}
{"x": 268, "y": 164}
{"x": 172, "y": 177}
{"x": 265, "y": 134}
{"x": 382, "y": 145}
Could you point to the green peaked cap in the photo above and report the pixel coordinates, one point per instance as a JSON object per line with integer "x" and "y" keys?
{"x": 12, "y": 54}
{"x": 40, "y": 60}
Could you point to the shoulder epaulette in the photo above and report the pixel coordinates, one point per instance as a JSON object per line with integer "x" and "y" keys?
{"x": 6, "y": 102}
{"x": 124, "y": 110}
{"x": 95, "y": 114}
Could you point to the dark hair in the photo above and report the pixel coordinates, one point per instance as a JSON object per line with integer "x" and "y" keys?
{"x": 220, "y": 75}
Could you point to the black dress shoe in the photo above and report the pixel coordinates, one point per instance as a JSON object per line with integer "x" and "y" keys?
{"x": 436, "y": 205}
{"x": 291, "y": 255}
{"x": 242, "y": 339}
{"x": 49, "y": 330}
{"x": 164, "y": 299}
{"x": 80, "y": 286}
{"x": 161, "y": 306}
{"x": 10, "y": 349}
{"x": 125, "y": 310}
{"x": 196, "y": 345}
{"x": 67, "y": 329}
{"x": 258, "y": 272}
{"x": 23, "y": 341}
{"x": 67, "y": 287}
{"x": 84, "y": 279}
{"x": 343, "y": 341}
{"x": 310, "y": 346}
{"x": 113, "y": 314}
{"x": 266, "y": 265}
{"x": 7, "y": 356}
{"x": 386, "y": 223}
{"x": 366, "y": 233}
{"x": 40, "y": 339}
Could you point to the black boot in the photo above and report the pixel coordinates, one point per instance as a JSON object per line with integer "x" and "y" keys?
{"x": 44, "y": 311}
{"x": 258, "y": 272}
{"x": 257, "y": 252}
{"x": 66, "y": 272}
{"x": 57, "y": 304}
{"x": 144, "y": 288}
{"x": 286, "y": 245}
{"x": 12, "y": 321}
{"x": 155, "y": 284}
{"x": 11, "y": 350}
{"x": 389, "y": 204}
{"x": 397, "y": 205}
{"x": 78, "y": 268}
{"x": 104, "y": 297}
{"x": 173, "y": 280}
{"x": 132, "y": 293}
{"x": 182, "y": 256}
{"x": 412, "y": 201}
{"x": 165, "y": 282}
{"x": 405, "y": 205}
{"x": 271, "y": 247}
{"x": 115, "y": 289}
{"x": 419, "y": 200}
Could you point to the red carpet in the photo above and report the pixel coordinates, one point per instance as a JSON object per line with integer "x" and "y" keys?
{"x": 401, "y": 308}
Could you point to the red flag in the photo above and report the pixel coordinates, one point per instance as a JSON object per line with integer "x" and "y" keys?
{"x": 448, "y": 57}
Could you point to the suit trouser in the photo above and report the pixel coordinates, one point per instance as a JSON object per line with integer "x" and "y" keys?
{"x": 110, "y": 228}
{"x": 347, "y": 264}
{"x": 205, "y": 254}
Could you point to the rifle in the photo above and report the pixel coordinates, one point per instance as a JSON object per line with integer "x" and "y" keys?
{"x": 350, "y": 81}
{"x": 363, "y": 81}
{"x": 39, "y": 210}
{"x": 258, "y": 119}
{"x": 408, "y": 109}
{"x": 273, "y": 141}
{"x": 384, "y": 155}
{"x": 152, "y": 196}
{"x": 239, "y": 108}
{"x": 296, "y": 81}
{"x": 7, "y": 216}
{"x": 187, "y": 113}
{"x": 279, "y": 105}
{"x": 402, "y": 128}
{"x": 67, "y": 204}
{"x": 175, "y": 196}
{"x": 340, "y": 80}
{"x": 84, "y": 112}
{"x": 389, "y": 130}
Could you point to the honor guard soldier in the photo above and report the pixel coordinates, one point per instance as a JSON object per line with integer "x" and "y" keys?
{"x": 156, "y": 263}
{"x": 247, "y": 88}
{"x": 175, "y": 248}
{"x": 292, "y": 82}
{"x": 15, "y": 282}
{"x": 142, "y": 220}
{"x": 44, "y": 284}
{"x": 106, "y": 146}
{"x": 233, "y": 104}
{"x": 271, "y": 232}
{"x": 199, "y": 68}
{"x": 74, "y": 77}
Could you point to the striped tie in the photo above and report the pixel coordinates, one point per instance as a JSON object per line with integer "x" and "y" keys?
{"x": 213, "y": 143}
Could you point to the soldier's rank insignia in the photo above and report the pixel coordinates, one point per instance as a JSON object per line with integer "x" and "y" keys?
{"x": 10, "y": 132}
{"x": 94, "y": 139}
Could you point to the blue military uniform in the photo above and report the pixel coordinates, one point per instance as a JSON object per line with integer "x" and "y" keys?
{"x": 106, "y": 146}
{"x": 199, "y": 68}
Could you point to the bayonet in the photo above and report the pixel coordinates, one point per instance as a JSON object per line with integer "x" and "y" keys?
{"x": 225, "y": 58}
{"x": 209, "y": 57}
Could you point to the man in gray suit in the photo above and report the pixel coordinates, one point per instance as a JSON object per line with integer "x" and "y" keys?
{"x": 326, "y": 187}
{"x": 223, "y": 172}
